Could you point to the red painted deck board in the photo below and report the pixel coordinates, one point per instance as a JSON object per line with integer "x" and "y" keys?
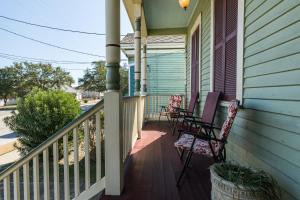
{"x": 154, "y": 166}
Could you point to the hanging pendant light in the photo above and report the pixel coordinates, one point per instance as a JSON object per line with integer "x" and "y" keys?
{"x": 184, "y": 3}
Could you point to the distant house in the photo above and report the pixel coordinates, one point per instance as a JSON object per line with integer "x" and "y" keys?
{"x": 12, "y": 101}
{"x": 92, "y": 95}
{"x": 71, "y": 90}
{"x": 166, "y": 64}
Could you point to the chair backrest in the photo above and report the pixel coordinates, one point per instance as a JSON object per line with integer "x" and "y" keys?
{"x": 231, "y": 113}
{"x": 174, "y": 102}
{"x": 210, "y": 107}
{"x": 224, "y": 133}
{"x": 193, "y": 101}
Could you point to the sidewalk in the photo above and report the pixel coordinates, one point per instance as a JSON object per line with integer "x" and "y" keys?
{"x": 7, "y": 137}
{"x": 9, "y": 158}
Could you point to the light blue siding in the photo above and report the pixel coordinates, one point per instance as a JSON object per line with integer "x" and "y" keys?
{"x": 166, "y": 73}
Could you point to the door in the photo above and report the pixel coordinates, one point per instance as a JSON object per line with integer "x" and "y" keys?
{"x": 195, "y": 63}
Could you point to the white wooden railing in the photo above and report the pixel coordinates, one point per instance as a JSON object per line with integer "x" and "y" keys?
{"x": 133, "y": 117}
{"x": 154, "y": 102}
{"x": 39, "y": 174}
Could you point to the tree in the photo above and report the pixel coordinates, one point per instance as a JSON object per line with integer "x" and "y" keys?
{"x": 39, "y": 115}
{"x": 95, "y": 79}
{"x": 8, "y": 83}
{"x": 43, "y": 76}
{"x": 20, "y": 78}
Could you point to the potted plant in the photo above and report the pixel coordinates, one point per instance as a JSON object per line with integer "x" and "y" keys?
{"x": 232, "y": 181}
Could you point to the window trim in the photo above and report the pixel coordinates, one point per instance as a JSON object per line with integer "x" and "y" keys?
{"x": 196, "y": 24}
{"x": 240, "y": 51}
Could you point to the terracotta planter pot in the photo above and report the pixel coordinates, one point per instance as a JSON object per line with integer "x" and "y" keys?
{"x": 225, "y": 190}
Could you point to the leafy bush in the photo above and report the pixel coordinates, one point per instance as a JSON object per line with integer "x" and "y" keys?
{"x": 39, "y": 115}
{"x": 85, "y": 100}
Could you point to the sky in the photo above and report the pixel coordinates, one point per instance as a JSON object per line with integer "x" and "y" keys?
{"x": 87, "y": 15}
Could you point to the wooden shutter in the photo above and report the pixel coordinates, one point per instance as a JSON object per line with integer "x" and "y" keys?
{"x": 225, "y": 49}
{"x": 195, "y": 63}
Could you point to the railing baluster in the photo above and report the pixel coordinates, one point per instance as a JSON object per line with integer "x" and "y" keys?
{"x": 16, "y": 184}
{"x": 98, "y": 146}
{"x": 29, "y": 182}
{"x": 76, "y": 163}
{"x": 26, "y": 181}
{"x": 7, "y": 188}
{"x": 66, "y": 168}
{"x": 36, "y": 178}
{"x": 87, "y": 154}
{"x": 46, "y": 174}
{"x": 56, "y": 171}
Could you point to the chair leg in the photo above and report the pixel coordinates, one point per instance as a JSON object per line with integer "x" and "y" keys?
{"x": 187, "y": 161}
{"x": 169, "y": 121}
{"x": 181, "y": 154}
{"x": 174, "y": 127}
{"x": 179, "y": 134}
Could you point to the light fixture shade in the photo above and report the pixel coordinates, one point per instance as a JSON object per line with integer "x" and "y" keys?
{"x": 184, "y": 3}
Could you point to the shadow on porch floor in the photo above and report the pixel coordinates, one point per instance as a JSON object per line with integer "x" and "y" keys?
{"x": 154, "y": 166}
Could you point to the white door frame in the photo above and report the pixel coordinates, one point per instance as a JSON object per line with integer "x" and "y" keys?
{"x": 196, "y": 24}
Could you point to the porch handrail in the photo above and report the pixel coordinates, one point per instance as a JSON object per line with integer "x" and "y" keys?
{"x": 44, "y": 150}
{"x": 39, "y": 149}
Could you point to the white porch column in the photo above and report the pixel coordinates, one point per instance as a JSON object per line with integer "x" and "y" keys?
{"x": 144, "y": 71}
{"x": 137, "y": 48}
{"x": 112, "y": 107}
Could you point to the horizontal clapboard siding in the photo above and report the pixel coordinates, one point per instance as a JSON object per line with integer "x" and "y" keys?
{"x": 266, "y": 133}
{"x": 166, "y": 73}
{"x": 203, "y": 8}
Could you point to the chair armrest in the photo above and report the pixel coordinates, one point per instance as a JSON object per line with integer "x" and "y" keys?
{"x": 210, "y": 126}
{"x": 192, "y": 118}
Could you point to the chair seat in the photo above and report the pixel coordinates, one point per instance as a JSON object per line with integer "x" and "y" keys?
{"x": 200, "y": 147}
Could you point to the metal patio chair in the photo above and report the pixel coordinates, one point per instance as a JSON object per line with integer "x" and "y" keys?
{"x": 206, "y": 121}
{"x": 171, "y": 110}
{"x": 182, "y": 113}
{"x": 208, "y": 145}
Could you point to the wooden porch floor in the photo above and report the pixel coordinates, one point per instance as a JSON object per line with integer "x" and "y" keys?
{"x": 154, "y": 166}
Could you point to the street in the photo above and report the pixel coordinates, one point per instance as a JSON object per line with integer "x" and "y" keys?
{"x": 6, "y": 135}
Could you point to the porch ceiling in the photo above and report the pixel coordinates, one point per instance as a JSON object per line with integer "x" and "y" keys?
{"x": 162, "y": 17}
{"x": 166, "y": 16}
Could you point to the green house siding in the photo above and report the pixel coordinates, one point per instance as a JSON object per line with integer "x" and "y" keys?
{"x": 266, "y": 132}
{"x": 166, "y": 73}
{"x": 271, "y": 122}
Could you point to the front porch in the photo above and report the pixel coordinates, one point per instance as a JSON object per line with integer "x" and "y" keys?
{"x": 154, "y": 165}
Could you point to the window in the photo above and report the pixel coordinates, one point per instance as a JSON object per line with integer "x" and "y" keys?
{"x": 225, "y": 48}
